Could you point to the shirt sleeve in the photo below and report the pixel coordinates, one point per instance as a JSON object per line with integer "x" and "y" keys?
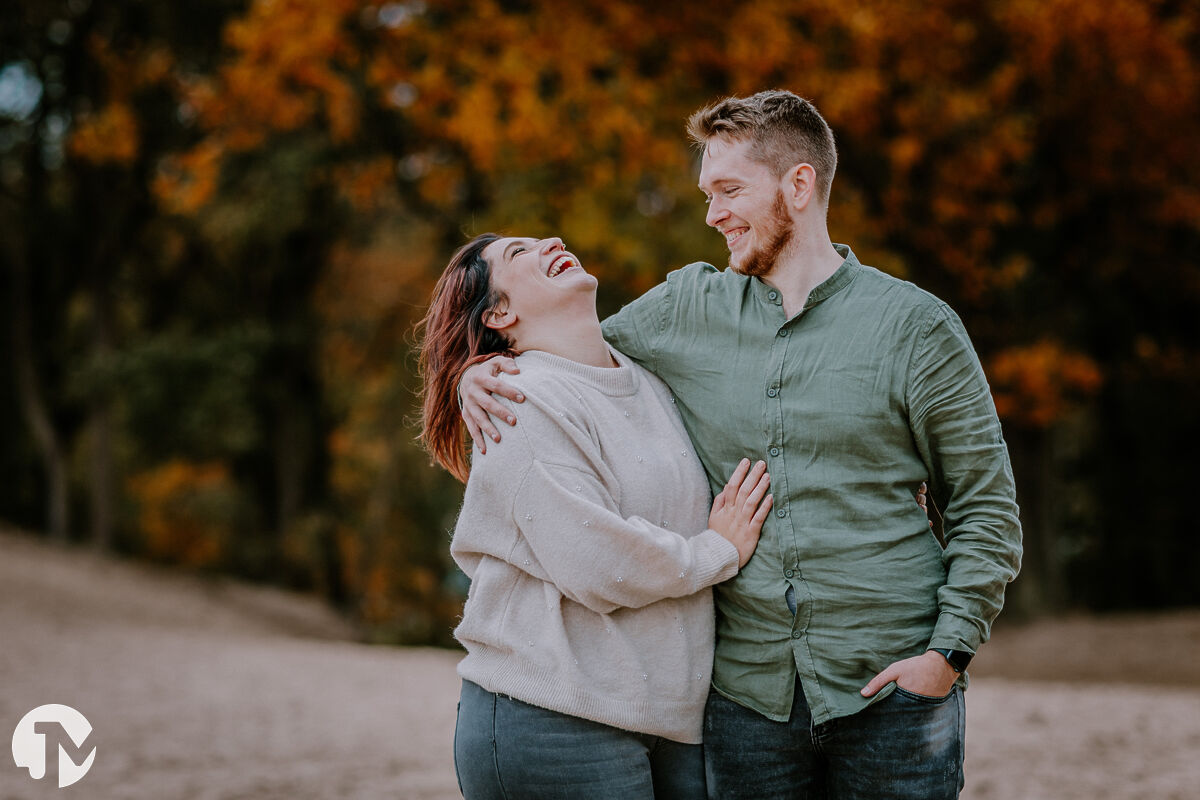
{"x": 636, "y": 328}
{"x": 957, "y": 432}
{"x": 570, "y": 530}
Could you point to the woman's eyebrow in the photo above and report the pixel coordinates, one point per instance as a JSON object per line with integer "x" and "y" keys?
{"x": 508, "y": 250}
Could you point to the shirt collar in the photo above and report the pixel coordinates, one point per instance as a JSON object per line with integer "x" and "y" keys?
{"x": 839, "y": 280}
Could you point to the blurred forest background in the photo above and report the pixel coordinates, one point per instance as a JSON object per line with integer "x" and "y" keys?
{"x": 220, "y": 219}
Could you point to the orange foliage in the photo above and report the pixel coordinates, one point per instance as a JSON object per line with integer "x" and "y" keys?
{"x": 109, "y": 136}
{"x": 286, "y": 71}
{"x": 365, "y": 185}
{"x": 186, "y": 511}
{"x": 186, "y": 181}
{"x": 1035, "y": 385}
{"x": 970, "y": 134}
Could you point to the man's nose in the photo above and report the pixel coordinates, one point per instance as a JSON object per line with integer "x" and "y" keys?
{"x": 715, "y": 214}
{"x": 551, "y": 244}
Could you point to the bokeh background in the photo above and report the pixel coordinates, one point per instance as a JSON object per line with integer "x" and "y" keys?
{"x": 221, "y": 218}
{"x": 219, "y": 221}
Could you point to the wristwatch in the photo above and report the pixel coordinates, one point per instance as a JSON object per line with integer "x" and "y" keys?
{"x": 958, "y": 659}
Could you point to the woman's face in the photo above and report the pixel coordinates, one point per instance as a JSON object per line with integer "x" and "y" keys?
{"x": 536, "y": 275}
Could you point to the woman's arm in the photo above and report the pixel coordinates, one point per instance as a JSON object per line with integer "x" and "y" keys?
{"x": 543, "y": 480}
{"x": 594, "y": 556}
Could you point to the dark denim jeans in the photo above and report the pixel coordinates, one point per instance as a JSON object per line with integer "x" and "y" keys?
{"x": 508, "y": 750}
{"x": 904, "y": 747}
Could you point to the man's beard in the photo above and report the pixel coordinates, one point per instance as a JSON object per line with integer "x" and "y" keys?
{"x": 761, "y": 261}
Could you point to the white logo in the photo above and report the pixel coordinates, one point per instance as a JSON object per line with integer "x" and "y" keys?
{"x": 49, "y": 730}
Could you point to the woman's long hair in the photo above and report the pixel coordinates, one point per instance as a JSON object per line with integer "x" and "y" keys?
{"x": 453, "y": 337}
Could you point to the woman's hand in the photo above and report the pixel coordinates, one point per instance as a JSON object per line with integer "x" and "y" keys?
{"x": 475, "y": 390}
{"x": 739, "y": 511}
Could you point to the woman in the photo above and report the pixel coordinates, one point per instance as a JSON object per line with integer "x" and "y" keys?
{"x": 588, "y": 539}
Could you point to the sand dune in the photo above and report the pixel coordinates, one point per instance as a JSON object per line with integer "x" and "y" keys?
{"x": 199, "y": 689}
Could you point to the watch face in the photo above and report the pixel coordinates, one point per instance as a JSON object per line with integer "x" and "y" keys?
{"x": 959, "y": 659}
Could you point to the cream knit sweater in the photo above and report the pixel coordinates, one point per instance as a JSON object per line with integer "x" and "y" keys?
{"x": 584, "y": 534}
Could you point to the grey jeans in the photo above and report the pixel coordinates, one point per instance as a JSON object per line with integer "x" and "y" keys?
{"x": 505, "y": 749}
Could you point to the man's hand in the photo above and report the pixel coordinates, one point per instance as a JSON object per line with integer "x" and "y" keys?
{"x": 928, "y": 674}
{"x": 475, "y": 390}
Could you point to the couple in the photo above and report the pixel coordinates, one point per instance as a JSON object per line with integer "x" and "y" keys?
{"x": 840, "y": 647}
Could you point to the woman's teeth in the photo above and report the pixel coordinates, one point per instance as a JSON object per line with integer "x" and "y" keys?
{"x": 560, "y": 264}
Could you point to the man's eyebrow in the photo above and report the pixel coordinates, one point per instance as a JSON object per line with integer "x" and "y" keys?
{"x": 716, "y": 182}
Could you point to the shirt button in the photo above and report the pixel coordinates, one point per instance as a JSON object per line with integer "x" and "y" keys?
{"x": 796, "y": 634}
{"x": 774, "y": 451}
{"x": 789, "y": 573}
{"x": 782, "y": 512}
{"x": 773, "y": 295}
{"x": 783, "y": 333}
{"x": 772, "y": 392}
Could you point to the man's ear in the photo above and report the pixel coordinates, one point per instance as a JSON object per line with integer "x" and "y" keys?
{"x": 500, "y": 317}
{"x": 801, "y": 185}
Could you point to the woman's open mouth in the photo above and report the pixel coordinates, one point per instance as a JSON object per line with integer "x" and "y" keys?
{"x": 560, "y": 265}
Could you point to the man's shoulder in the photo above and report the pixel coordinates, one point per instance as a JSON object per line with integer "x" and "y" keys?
{"x": 900, "y": 295}
{"x": 701, "y": 274}
{"x": 703, "y": 279}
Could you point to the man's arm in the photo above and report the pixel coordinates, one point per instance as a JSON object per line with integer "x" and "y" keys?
{"x": 957, "y": 433}
{"x": 635, "y": 329}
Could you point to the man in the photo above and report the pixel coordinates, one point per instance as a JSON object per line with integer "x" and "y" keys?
{"x": 842, "y": 645}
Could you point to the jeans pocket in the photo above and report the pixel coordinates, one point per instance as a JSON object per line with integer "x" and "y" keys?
{"x": 923, "y": 698}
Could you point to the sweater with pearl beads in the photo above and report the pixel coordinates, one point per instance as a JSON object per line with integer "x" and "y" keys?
{"x": 584, "y": 533}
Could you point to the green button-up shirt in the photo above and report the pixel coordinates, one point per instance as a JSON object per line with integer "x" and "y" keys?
{"x": 872, "y": 388}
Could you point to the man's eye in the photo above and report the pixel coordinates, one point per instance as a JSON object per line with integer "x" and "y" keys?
{"x": 518, "y": 250}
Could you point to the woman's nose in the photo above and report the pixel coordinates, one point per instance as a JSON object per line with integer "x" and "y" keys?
{"x": 551, "y": 244}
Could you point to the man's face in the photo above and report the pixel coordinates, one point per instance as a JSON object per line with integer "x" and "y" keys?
{"x": 746, "y": 204}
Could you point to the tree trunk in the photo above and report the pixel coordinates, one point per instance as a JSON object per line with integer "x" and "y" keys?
{"x": 33, "y": 406}
{"x": 102, "y": 485}
{"x": 292, "y": 453}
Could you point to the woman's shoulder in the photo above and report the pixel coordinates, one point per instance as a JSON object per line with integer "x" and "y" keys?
{"x": 538, "y": 378}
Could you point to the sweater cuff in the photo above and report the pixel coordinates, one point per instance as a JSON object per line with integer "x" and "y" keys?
{"x": 716, "y": 559}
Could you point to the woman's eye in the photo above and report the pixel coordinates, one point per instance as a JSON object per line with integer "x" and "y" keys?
{"x": 518, "y": 250}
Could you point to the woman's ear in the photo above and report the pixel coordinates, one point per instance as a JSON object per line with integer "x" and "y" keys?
{"x": 500, "y": 316}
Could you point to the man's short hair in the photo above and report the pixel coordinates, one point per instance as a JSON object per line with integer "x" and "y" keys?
{"x": 783, "y": 129}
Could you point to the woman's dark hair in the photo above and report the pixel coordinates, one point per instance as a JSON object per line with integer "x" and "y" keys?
{"x": 453, "y": 337}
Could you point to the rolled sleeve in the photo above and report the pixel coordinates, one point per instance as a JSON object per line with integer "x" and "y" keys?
{"x": 958, "y": 434}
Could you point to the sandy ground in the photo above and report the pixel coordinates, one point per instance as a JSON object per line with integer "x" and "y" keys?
{"x": 201, "y": 689}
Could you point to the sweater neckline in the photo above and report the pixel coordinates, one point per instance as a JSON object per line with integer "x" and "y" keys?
{"x": 618, "y": 380}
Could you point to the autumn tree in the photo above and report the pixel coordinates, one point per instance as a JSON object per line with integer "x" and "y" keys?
{"x": 280, "y": 182}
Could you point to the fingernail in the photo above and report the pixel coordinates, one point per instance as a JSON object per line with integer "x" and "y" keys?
{"x": 520, "y": 398}
{"x": 512, "y": 420}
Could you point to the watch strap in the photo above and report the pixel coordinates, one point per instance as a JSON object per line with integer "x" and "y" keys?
{"x": 957, "y": 659}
